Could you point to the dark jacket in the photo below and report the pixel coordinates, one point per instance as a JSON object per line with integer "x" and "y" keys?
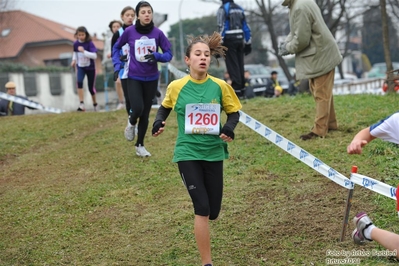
{"x": 18, "y": 109}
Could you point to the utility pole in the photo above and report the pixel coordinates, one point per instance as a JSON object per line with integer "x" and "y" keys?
{"x": 181, "y": 34}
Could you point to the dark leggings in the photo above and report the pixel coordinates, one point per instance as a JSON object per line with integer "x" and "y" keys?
{"x": 140, "y": 95}
{"x": 125, "y": 93}
{"x": 204, "y": 183}
{"x": 91, "y": 76}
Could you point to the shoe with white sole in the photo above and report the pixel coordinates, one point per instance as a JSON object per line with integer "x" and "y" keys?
{"x": 361, "y": 221}
{"x": 81, "y": 108}
{"x": 120, "y": 106}
{"x": 130, "y": 131}
{"x": 142, "y": 152}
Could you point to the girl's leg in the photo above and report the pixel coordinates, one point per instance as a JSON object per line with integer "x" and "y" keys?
{"x": 386, "y": 238}
{"x": 149, "y": 91}
{"x": 213, "y": 180}
{"x": 202, "y": 237}
{"x": 193, "y": 174}
{"x": 119, "y": 92}
{"x": 80, "y": 77}
{"x": 140, "y": 95}
{"x": 91, "y": 77}
{"x": 125, "y": 93}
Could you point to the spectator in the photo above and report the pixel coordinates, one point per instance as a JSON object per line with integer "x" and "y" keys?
{"x": 316, "y": 56}
{"x": 227, "y": 78}
{"x": 388, "y": 130}
{"x": 237, "y": 38}
{"x": 273, "y": 88}
{"x": 293, "y": 87}
{"x": 10, "y": 107}
{"x": 249, "y": 91}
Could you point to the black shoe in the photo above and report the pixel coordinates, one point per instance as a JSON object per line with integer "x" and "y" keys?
{"x": 309, "y": 136}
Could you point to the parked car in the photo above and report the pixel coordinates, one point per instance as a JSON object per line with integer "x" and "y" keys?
{"x": 379, "y": 70}
{"x": 259, "y": 75}
{"x": 348, "y": 78}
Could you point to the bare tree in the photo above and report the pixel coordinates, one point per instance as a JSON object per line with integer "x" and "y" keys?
{"x": 387, "y": 53}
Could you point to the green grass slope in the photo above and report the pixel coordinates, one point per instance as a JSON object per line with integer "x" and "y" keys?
{"x": 73, "y": 192}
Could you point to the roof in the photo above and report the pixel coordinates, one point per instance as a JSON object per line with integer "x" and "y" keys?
{"x": 19, "y": 28}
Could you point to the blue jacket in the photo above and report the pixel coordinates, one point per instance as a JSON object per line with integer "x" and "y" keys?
{"x": 229, "y": 24}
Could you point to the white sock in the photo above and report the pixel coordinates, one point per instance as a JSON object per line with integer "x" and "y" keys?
{"x": 367, "y": 231}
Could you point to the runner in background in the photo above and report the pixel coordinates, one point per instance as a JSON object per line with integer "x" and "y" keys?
{"x": 84, "y": 54}
{"x": 127, "y": 16}
{"x": 114, "y": 26}
{"x": 198, "y": 99}
{"x": 144, "y": 40}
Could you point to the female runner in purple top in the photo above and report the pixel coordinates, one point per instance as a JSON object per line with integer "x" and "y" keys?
{"x": 144, "y": 40}
{"x": 84, "y": 54}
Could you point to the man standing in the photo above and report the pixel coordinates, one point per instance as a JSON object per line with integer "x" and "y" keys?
{"x": 237, "y": 38}
{"x": 316, "y": 56}
{"x": 10, "y": 107}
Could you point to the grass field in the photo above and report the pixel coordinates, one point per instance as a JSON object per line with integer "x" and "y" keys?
{"x": 72, "y": 191}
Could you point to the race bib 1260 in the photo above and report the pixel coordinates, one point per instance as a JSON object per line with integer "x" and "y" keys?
{"x": 202, "y": 118}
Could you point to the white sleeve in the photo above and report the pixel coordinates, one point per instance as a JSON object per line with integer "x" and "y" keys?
{"x": 90, "y": 55}
{"x": 74, "y": 56}
{"x": 387, "y": 129}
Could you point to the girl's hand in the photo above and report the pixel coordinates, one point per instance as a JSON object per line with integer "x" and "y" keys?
{"x": 81, "y": 49}
{"x": 225, "y": 138}
{"x": 157, "y": 128}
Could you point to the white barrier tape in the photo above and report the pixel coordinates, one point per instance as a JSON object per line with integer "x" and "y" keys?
{"x": 25, "y": 102}
{"x": 374, "y": 185}
{"x": 296, "y": 151}
{"x": 178, "y": 73}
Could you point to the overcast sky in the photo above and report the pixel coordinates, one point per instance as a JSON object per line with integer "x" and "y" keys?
{"x": 96, "y": 14}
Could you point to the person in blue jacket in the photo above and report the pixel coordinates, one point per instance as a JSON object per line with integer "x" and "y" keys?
{"x": 144, "y": 40}
{"x": 236, "y": 35}
{"x": 127, "y": 15}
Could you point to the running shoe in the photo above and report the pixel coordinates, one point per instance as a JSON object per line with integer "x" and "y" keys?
{"x": 142, "y": 152}
{"x": 130, "y": 131}
{"x": 120, "y": 106}
{"x": 361, "y": 221}
{"x": 81, "y": 108}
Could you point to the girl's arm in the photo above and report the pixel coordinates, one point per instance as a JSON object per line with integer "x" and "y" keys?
{"x": 362, "y": 138}
{"x": 92, "y": 52}
{"x": 159, "y": 123}
{"x": 91, "y": 55}
{"x": 116, "y": 50}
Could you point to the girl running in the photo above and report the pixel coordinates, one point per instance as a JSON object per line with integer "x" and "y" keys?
{"x": 84, "y": 54}
{"x": 127, "y": 16}
{"x": 114, "y": 26}
{"x": 144, "y": 40}
{"x": 201, "y": 147}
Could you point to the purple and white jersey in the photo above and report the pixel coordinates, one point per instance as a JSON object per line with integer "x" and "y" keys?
{"x": 387, "y": 129}
{"x": 86, "y": 59}
{"x": 125, "y": 51}
{"x": 140, "y": 44}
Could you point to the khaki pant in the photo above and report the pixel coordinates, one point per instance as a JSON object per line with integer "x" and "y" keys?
{"x": 322, "y": 91}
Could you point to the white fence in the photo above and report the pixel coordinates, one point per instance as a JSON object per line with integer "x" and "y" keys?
{"x": 62, "y": 95}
